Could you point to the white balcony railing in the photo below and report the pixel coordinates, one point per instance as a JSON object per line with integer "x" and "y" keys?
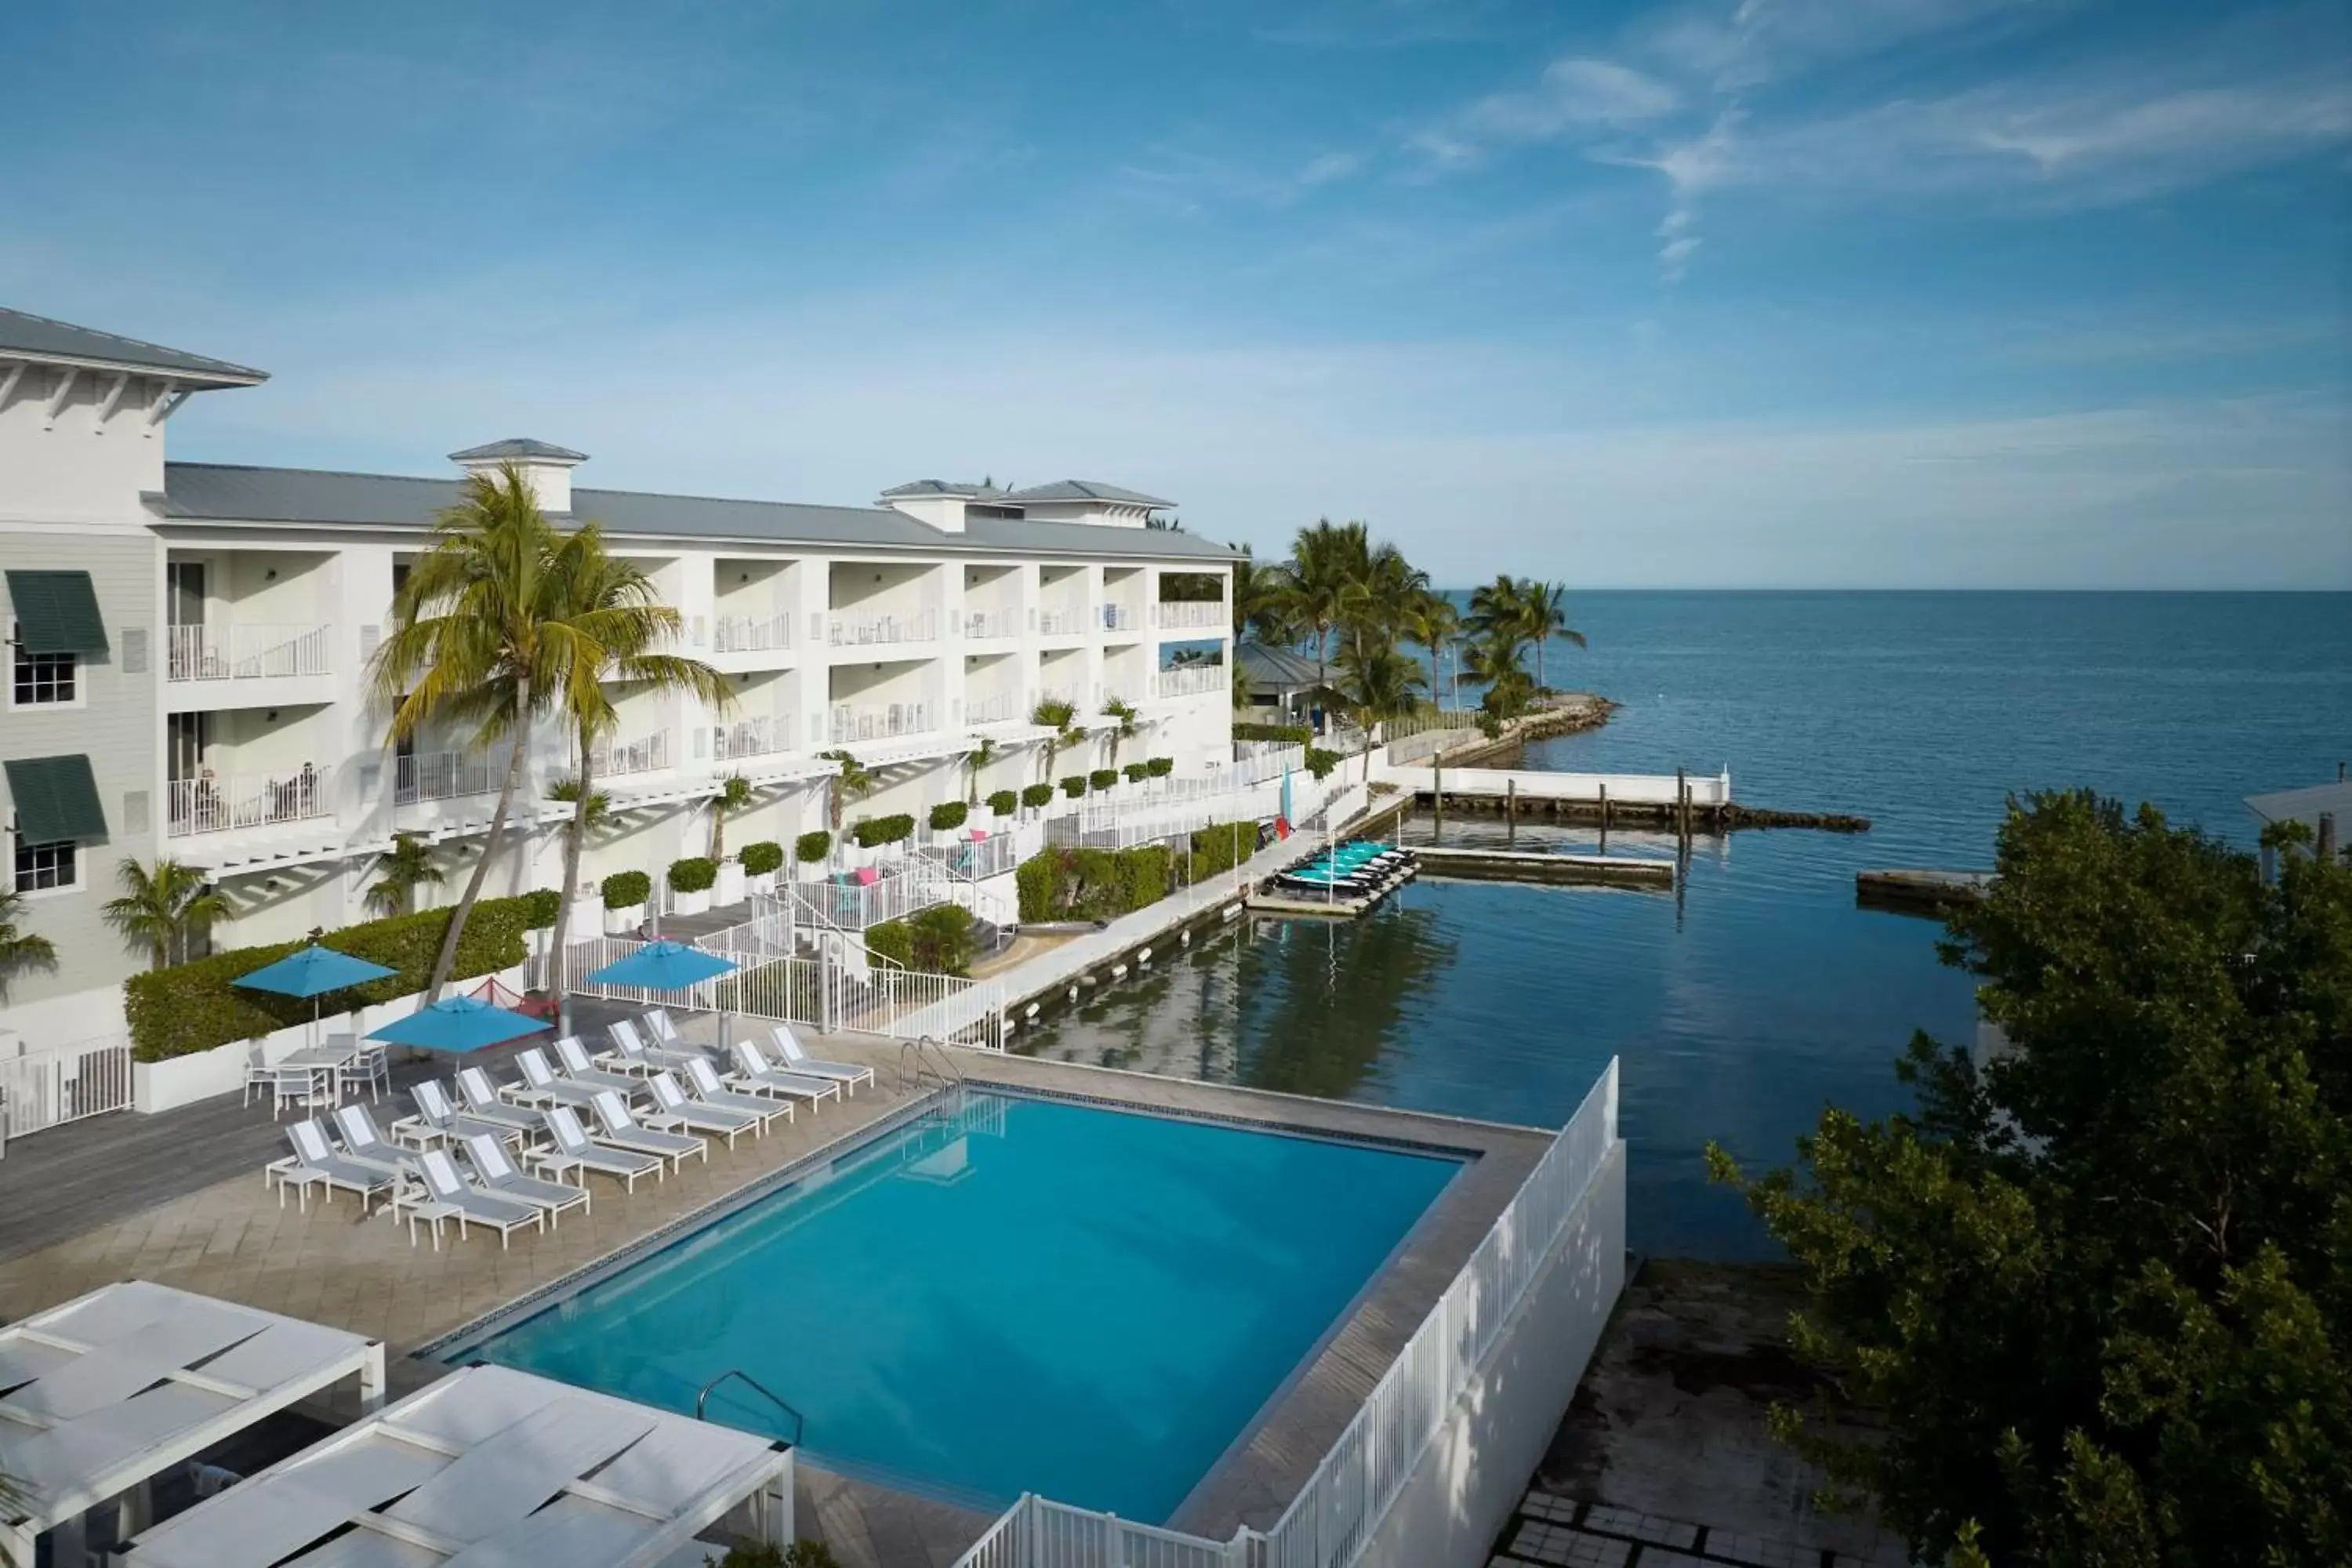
{"x": 1187, "y": 614}
{"x": 448, "y": 775}
{"x": 1121, "y": 618}
{"x": 1075, "y": 699}
{"x": 861, "y": 631}
{"x": 747, "y": 634}
{"x": 207, "y": 805}
{"x": 644, "y": 754}
{"x": 1060, "y": 623}
{"x": 243, "y": 652}
{"x": 991, "y": 623}
{"x": 999, "y": 708}
{"x": 1189, "y": 682}
{"x": 880, "y": 721}
{"x": 760, "y": 737}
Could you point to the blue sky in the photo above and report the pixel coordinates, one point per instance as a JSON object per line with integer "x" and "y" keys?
{"x": 1738, "y": 292}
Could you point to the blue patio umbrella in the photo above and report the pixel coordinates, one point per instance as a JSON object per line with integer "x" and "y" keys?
{"x": 313, "y": 972}
{"x": 458, "y": 1024}
{"x": 663, "y": 966}
{"x": 1285, "y": 799}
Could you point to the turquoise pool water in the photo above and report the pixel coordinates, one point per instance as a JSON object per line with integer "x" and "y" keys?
{"x": 1031, "y": 1296}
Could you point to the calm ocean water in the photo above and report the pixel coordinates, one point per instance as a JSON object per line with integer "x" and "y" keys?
{"x": 1762, "y": 993}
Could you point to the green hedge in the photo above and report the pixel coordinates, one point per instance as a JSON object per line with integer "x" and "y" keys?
{"x": 1036, "y": 795}
{"x": 695, "y": 874}
{"x": 1288, "y": 734}
{"x": 195, "y": 1006}
{"x": 762, "y": 858}
{"x": 1219, "y": 848}
{"x": 1136, "y": 772}
{"x": 893, "y": 941}
{"x": 1092, "y": 884}
{"x": 1102, "y": 778}
{"x": 1159, "y": 767}
{"x": 1320, "y": 761}
{"x": 540, "y": 907}
{"x": 891, "y": 829}
{"x": 949, "y": 816}
{"x": 1005, "y": 802}
{"x": 809, "y": 847}
{"x": 1075, "y": 785}
{"x": 936, "y": 940}
{"x": 627, "y": 889}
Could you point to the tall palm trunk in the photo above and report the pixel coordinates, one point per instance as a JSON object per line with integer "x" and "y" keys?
{"x": 575, "y": 841}
{"x": 447, "y": 962}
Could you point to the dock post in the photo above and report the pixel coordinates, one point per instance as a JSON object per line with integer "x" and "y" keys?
{"x": 1604, "y": 819}
{"x": 1436, "y": 800}
{"x": 1510, "y": 810}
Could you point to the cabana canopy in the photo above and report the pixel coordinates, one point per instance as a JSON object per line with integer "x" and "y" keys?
{"x": 489, "y": 1466}
{"x": 121, "y": 1384}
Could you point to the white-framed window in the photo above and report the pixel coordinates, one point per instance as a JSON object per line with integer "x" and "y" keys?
{"x": 47, "y": 867}
{"x": 44, "y": 680}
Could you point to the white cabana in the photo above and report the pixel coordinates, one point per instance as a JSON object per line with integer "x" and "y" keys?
{"x": 489, "y": 1468}
{"x": 115, "y": 1387}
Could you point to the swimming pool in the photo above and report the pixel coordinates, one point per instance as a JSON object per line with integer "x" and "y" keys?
{"x": 1023, "y": 1295}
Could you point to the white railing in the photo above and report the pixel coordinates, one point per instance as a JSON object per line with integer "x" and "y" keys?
{"x": 1343, "y": 1503}
{"x": 992, "y": 622}
{"x": 1178, "y": 615}
{"x": 861, "y": 631}
{"x": 1189, "y": 682}
{"x": 1063, "y": 694}
{"x": 748, "y": 634}
{"x": 1268, "y": 762}
{"x": 448, "y": 775}
{"x": 1121, "y": 618}
{"x": 997, "y": 710}
{"x": 644, "y": 754}
{"x": 1060, "y": 623}
{"x": 1624, "y": 789}
{"x": 243, "y": 652}
{"x": 760, "y": 737}
{"x": 853, "y": 906}
{"x": 1123, "y": 826}
{"x": 879, "y": 720}
{"x": 1190, "y": 786}
{"x": 973, "y": 860}
{"x": 217, "y": 804}
{"x": 57, "y": 1084}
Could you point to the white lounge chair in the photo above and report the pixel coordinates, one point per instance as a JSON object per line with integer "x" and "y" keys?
{"x": 659, "y": 1025}
{"x": 437, "y": 1120}
{"x": 703, "y": 1079}
{"x": 475, "y": 1205}
{"x": 758, "y": 1074}
{"x": 573, "y": 1057}
{"x": 797, "y": 1059}
{"x": 573, "y": 1150}
{"x": 541, "y": 1088}
{"x": 483, "y": 1104}
{"x": 315, "y": 1163}
{"x": 496, "y": 1172}
{"x": 631, "y": 1054}
{"x": 621, "y": 1130}
{"x": 673, "y": 1111}
{"x": 364, "y": 1144}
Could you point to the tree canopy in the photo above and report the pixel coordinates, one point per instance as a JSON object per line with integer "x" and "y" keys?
{"x": 2099, "y": 1288}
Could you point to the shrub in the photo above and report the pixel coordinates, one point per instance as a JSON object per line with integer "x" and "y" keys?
{"x": 1219, "y": 847}
{"x": 1136, "y": 772}
{"x": 1320, "y": 761}
{"x": 942, "y": 939}
{"x": 1038, "y": 881}
{"x": 1159, "y": 767}
{"x": 693, "y": 875}
{"x": 762, "y": 858}
{"x": 539, "y": 907}
{"x": 1075, "y": 785}
{"x": 811, "y": 846}
{"x": 1287, "y": 734}
{"x": 1102, "y": 778}
{"x": 893, "y": 941}
{"x": 196, "y": 1006}
{"x": 891, "y": 829}
{"x": 949, "y": 816}
{"x": 1005, "y": 802}
{"x": 627, "y": 889}
{"x": 1036, "y": 795}
{"x": 1092, "y": 884}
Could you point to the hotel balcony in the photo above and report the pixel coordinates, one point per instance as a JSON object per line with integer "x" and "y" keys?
{"x": 209, "y": 805}
{"x": 1002, "y": 708}
{"x": 1061, "y": 623}
{"x": 746, "y": 634}
{"x": 1174, "y": 615}
{"x": 762, "y": 737}
{"x": 1121, "y": 618}
{"x": 243, "y": 664}
{"x": 642, "y": 754}
{"x": 986, "y": 624}
{"x": 883, "y": 631}
{"x": 880, "y": 721}
{"x": 448, "y": 775}
{"x": 1189, "y": 682}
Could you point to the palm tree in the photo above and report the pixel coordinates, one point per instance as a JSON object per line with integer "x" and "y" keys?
{"x": 1123, "y": 727}
{"x": 20, "y": 950}
{"x": 163, "y": 908}
{"x": 1313, "y": 585}
{"x": 975, "y": 762}
{"x": 1377, "y": 682}
{"x": 1546, "y": 617}
{"x": 854, "y": 782}
{"x": 1436, "y": 625}
{"x": 734, "y": 795}
{"x": 1257, "y": 602}
{"x": 1062, "y": 718}
{"x": 407, "y": 865}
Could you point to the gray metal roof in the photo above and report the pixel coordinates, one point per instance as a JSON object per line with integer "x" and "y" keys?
{"x": 518, "y": 446}
{"x": 1085, "y": 490}
{"x": 943, "y": 488}
{"x": 2306, "y": 805}
{"x": 37, "y": 337}
{"x": 221, "y": 492}
{"x": 1274, "y": 667}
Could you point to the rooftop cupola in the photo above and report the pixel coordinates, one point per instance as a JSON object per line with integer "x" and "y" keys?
{"x": 546, "y": 466}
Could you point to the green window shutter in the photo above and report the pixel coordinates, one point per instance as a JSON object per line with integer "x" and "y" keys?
{"x": 54, "y": 799}
{"x": 57, "y": 612}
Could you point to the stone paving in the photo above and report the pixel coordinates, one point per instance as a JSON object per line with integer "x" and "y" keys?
{"x": 1562, "y": 1532}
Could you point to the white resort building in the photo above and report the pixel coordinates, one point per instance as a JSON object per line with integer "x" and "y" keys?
{"x": 189, "y": 644}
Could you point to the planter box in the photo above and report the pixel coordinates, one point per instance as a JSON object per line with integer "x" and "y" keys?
{"x": 624, "y": 921}
{"x": 762, "y": 882}
{"x": 730, "y": 883}
{"x": 689, "y": 903}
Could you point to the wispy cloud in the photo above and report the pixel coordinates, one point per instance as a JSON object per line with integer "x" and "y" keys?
{"x": 1737, "y": 45}
{"x": 1576, "y": 96}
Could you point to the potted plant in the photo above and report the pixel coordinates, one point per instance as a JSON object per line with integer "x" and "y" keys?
{"x": 1004, "y": 802}
{"x": 810, "y": 851}
{"x": 690, "y": 881}
{"x": 1102, "y": 779}
{"x": 1036, "y": 795}
{"x": 761, "y": 862}
{"x": 949, "y": 816}
{"x": 624, "y": 901}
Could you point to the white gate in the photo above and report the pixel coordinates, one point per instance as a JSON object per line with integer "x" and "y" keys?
{"x": 56, "y": 1084}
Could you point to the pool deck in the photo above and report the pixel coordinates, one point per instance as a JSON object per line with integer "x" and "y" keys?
{"x": 181, "y": 1223}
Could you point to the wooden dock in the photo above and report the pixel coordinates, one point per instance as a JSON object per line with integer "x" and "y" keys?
{"x": 1920, "y": 893}
{"x": 1539, "y": 866}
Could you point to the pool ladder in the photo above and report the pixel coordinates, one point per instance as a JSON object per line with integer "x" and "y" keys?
{"x": 740, "y": 1375}
{"x": 929, "y": 1059}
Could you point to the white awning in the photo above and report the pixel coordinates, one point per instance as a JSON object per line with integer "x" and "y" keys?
{"x": 485, "y": 1468}
{"x": 2305, "y": 806}
{"x": 121, "y": 1384}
